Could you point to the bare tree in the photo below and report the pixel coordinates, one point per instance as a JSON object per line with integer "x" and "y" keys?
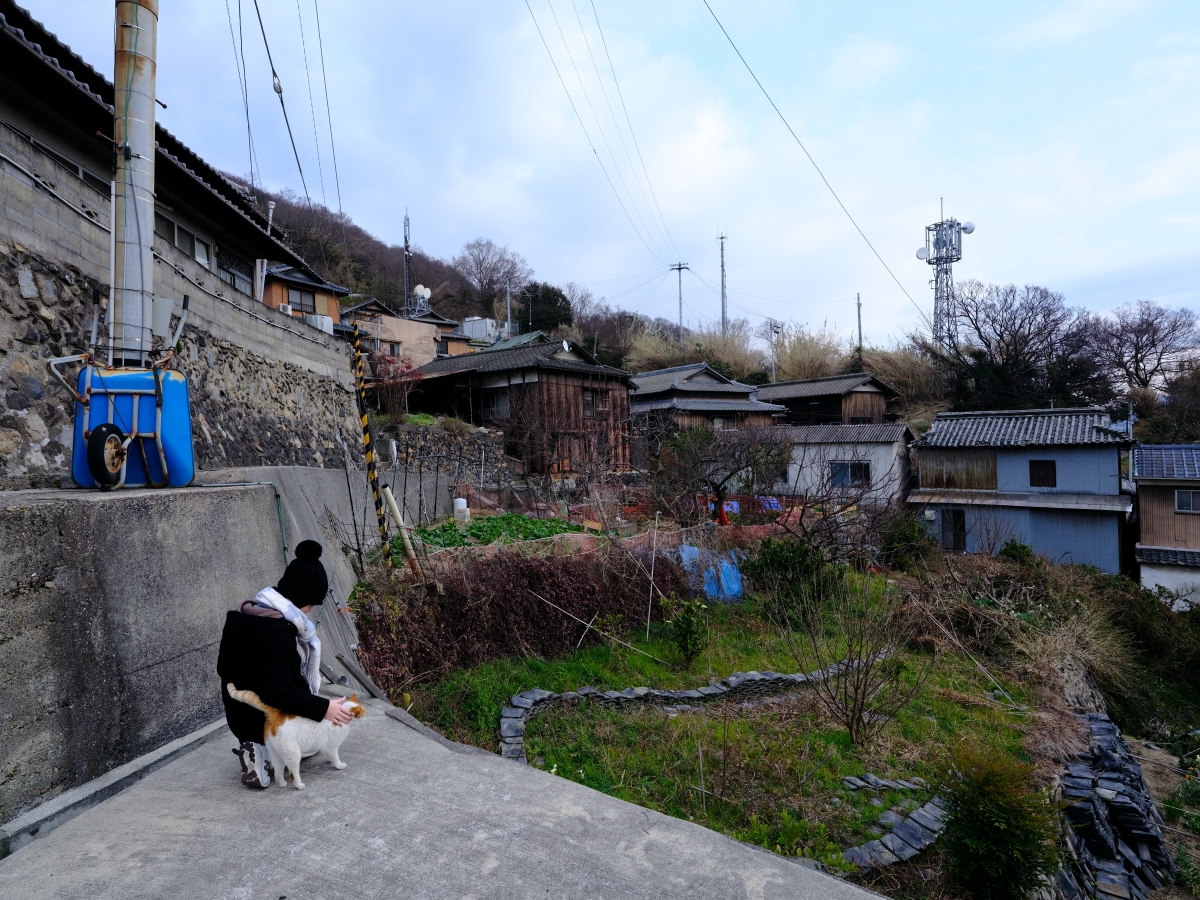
{"x": 487, "y": 266}
{"x": 856, "y": 641}
{"x": 1144, "y": 343}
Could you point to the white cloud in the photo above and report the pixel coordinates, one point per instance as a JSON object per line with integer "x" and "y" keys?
{"x": 1073, "y": 19}
{"x": 861, "y": 62}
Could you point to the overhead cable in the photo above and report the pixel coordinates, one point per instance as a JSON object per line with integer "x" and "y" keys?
{"x": 861, "y": 233}
{"x": 275, "y": 82}
{"x": 239, "y": 63}
{"x": 587, "y": 136}
{"x": 332, "y": 146}
{"x": 632, "y": 133}
{"x": 620, "y": 133}
{"x": 600, "y": 127}
{"x": 311, "y": 108}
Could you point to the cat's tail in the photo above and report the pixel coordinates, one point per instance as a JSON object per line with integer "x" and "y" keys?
{"x": 248, "y": 697}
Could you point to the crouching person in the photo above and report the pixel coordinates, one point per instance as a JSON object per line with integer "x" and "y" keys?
{"x": 270, "y": 646}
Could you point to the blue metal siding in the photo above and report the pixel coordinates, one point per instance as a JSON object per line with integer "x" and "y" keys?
{"x": 1080, "y": 470}
{"x": 1077, "y": 536}
{"x": 988, "y": 527}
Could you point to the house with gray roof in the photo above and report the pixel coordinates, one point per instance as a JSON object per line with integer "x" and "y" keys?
{"x": 698, "y": 395}
{"x": 856, "y": 399}
{"x": 1049, "y": 478}
{"x": 561, "y": 411}
{"x": 847, "y": 463}
{"x": 1168, "y": 493}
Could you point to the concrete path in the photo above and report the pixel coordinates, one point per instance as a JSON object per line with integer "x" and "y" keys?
{"x": 410, "y": 817}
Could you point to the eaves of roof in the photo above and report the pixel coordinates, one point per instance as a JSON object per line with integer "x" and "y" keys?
{"x": 886, "y": 433}
{"x": 697, "y": 405}
{"x": 291, "y": 275}
{"x": 1166, "y": 556}
{"x": 1116, "y": 503}
{"x": 1167, "y": 462}
{"x": 1024, "y": 428}
{"x": 831, "y": 385}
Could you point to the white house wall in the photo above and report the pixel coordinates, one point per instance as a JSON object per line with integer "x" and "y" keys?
{"x": 808, "y": 473}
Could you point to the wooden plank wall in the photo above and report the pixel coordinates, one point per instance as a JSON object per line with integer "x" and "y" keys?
{"x": 863, "y": 404}
{"x": 571, "y": 442}
{"x": 1161, "y": 525}
{"x": 963, "y": 470}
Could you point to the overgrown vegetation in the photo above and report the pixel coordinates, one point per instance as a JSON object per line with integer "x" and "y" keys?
{"x": 689, "y": 628}
{"x": 506, "y": 527}
{"x": 1002, "y": 832}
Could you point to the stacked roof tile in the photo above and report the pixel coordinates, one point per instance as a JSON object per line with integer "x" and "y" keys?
{"x": 1024, "y": 428}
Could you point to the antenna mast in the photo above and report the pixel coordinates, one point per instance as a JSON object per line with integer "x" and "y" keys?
{"x": 408, "y": 307}
{"x": 679, "y": 267}
{"x": 858, "y": 298}
{"x": 943, "y": 248}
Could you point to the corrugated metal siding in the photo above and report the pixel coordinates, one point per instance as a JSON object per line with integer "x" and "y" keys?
{"x": 963, "y": 470}
{"x": 1161, "y": 525}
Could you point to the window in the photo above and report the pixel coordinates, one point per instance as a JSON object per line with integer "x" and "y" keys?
{"x": 443, "y": 348}
{"x": 495, "y": 404}
{"x": 234, "y": 272}
{"x": 394, "y": 349}
{"x": 954, "y": 530}
{"x": 589, "y": 403}
{"x": 1187, "y": 501}
{"x": 180, "y": 237}
{"x": 302, "y": 301}
{"x": 849, "y": 474}
{"x": 860, "y": 420}
{"x": 1042, "y": 473}
{"x": 724, "y": 423}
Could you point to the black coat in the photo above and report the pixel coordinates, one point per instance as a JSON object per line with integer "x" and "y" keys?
{"x": 259, "y": 654}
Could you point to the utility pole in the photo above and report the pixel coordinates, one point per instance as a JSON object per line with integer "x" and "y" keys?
{"x": 858, "y": 297}
{"x": 776, "y": 327}
{"x": 724, "y": 307}
{"x": 679, "y": 267}
{"x": 508, "y": 305}
{"x": 407, "y": 260}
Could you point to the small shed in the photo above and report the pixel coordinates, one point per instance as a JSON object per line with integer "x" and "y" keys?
{"x": 1049, "y": 478}
{"x": 1168, "y": 496}
{"x": 857, "y": 399}
{"x": 869, "y": 462}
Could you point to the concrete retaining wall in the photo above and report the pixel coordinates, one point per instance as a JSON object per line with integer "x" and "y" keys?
{"x": 113, "y": 608}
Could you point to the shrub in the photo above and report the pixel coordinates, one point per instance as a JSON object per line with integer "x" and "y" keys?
{"x": 797, "y": 837}
{"x": 1018, "y": 552}
{"x": 904, "y": 541}
{"x": 689, "y": 628}
{"x": 788, "y": 570}
{"x": 1001, "y": 834}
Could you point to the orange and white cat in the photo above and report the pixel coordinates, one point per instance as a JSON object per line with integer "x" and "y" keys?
{"x": 290, "y": 738}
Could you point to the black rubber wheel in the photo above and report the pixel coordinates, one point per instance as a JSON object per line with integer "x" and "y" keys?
{"x": 105, "y": 454}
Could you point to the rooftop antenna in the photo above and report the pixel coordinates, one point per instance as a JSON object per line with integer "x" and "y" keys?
{"x": 943, "y": 248}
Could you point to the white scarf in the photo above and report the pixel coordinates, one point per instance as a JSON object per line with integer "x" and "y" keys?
{"x": 308, "y": 645}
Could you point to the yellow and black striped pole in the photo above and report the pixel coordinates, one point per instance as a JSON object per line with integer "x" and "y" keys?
{"x": 372, "y": 475}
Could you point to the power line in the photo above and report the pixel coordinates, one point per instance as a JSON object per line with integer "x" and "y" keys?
{"x": 332, "y": 146}
{"x": 632, "y": 133}
{"x": 240, "y": 66}
{"x": 600, "y": 126}
{"x": 771, "y": 300}
{"x": 617, "y": 125}
{"x": 279, "y": 90}
{"x": 587, "y": 136}
{"x": 311, "y": 108}
{"x": 814, "y": 163}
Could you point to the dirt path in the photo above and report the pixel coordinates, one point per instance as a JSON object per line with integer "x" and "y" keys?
{"x": 1161, "y": 781}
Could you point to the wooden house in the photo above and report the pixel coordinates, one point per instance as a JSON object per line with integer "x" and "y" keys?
{"x": 698, "y": 395}
{"x": 561, "y": 411}
{"x": 381, "y": 331}
{"x": 301, "y": 292}
{"x": 1049, "y": 478}
{"x": 866, "y": 462}
{"x": 1168, "y": 498}
{"x": 858, "y": 399}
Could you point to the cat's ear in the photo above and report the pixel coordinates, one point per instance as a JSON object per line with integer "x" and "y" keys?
{"x": 354, "y": 697}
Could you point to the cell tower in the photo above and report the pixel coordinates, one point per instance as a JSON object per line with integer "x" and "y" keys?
{"x": 408, "y": 300}
{"x": 943, "y": 248}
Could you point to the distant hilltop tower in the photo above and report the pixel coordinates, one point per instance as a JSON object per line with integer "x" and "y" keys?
{"x": 943, "y": 248}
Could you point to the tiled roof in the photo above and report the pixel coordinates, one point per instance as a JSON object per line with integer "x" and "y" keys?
{"x": 684, "y": 404}
{"x": 1174, "y": 461}
{"x": 887, "y": 433}
{"x": 1167, "y": 556}
{"x": 292, "y": 275}
{"x": 820, "y": 387}
{"x": 537, "y": 356}
{"x": 519, "y": 340}
{"x": 1024, "y": 428}
{"x": 676, "y": 379}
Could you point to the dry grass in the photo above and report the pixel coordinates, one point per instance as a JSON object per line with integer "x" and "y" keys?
{"x": 736, "y": 351}
{"x": 800, "y": 353}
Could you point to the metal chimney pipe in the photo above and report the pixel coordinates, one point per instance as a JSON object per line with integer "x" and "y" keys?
{"x": 135, "y": 72}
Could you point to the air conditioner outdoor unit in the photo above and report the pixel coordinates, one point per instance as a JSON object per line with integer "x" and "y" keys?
{"x": 286, "y": 309}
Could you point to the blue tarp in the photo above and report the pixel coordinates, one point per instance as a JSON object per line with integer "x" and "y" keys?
{"x": 716, "y": 573}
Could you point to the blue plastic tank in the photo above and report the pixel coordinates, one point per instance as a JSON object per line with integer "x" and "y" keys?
{"x": 141, "y": 469}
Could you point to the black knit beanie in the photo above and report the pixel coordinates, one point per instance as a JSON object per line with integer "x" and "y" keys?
{"x": 304, "y": 581}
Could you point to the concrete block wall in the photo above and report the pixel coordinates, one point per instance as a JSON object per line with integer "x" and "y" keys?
{"x": 266, "y": 389}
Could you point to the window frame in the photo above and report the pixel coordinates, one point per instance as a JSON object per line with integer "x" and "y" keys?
{"x": 1192, "y": 510}
{"x": 172, "y": 232}
{"x": 591, "y": 403}
{"x": 845, "y": 474}
{"x": 295, "y": 294}
{"x": 1044, "y": 466}
{"x": 497, "y": 404}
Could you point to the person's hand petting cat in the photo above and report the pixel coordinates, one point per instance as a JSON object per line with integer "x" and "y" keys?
{"x": 338, "y": 714}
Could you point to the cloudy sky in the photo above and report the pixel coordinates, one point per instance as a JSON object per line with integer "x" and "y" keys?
{"x": 1067, "y": 130}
